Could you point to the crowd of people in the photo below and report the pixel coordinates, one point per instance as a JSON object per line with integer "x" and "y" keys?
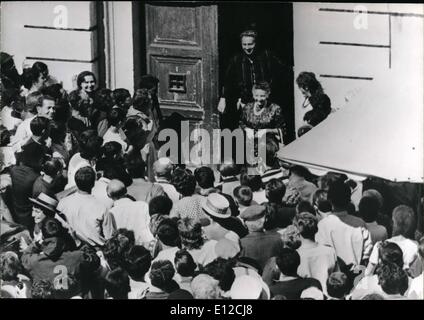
{"x": 90, "y": 211}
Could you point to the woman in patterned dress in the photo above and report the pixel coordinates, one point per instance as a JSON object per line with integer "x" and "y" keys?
{"x": 262, "y": 114}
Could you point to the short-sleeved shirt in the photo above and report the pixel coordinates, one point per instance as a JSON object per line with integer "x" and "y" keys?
{"x": 317, "y": 262}
{"x": 88, "y": 217}
{"x": 133, "y": 215}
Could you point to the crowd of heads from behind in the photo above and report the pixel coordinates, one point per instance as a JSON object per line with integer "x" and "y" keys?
{"x": 90, "y": 209}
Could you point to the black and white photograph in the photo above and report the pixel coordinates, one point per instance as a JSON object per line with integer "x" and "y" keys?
{"x": 232, "y": 151}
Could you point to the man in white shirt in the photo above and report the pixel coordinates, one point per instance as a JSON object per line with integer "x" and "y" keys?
{"x": 90, "y": 148}
{"x": 115, "y": 120}
{"x": 87, "y": 217}
{"x": 100, "y": 192}
{"x": 316, "y": 261}
{"x": 163, "y": 169}
{"x": 130, "y": 214}
{"x": 45, "y": 107}
{"x": 347, "y": 234}
{"x": 111, "y": 170}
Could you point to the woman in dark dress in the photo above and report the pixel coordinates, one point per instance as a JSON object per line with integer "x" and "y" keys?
{"x": 314, "y": 97}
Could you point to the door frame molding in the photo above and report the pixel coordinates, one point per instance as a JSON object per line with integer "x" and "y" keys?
{"x": 118, "y": 45}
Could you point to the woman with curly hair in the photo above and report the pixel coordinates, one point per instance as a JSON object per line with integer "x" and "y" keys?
{"x": 404, "y": 223}
{"x": 161, "y": 281}
{"x": 262, "y": 113}
{"x": 82, "y": 99}
{"x": 35, "y": 78}
{"x": 185, "y": 268}
{"x": 389, "y": 253}
{"x": 190, "y": 205}
{"x": 222, "y": 270}
{"x": 259, "y": 115}
{"x": 191, "y": 235}
{"x": 314, "y": 97}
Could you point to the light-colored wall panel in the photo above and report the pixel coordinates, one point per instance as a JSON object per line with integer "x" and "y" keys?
{"x": 121, "y": 37}
{"x": 49, "y": 44}
{"x": 404, "y": 58}
{"x": 380, "y": 7}
{"x": 80, "y": 14}
{"x": 60, "y": 44}
{"x": 407, "y": 8}
{"x": 340, "y": 26}
{"x": 377, "y": 8}
{"x": 352, "y": 28}
{"x": 344, "y": 60}
{"x": 408, "y": 43}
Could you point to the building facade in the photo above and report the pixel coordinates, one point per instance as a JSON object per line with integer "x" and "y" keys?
{"x": 187, "y": 44}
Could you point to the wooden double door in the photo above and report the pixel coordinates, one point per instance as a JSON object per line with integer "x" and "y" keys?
{"x": 182, "y": 52}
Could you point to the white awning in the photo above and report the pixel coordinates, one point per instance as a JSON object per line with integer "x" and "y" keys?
{"x": 378, "y": 133}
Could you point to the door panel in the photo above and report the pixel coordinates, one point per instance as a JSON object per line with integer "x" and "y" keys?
{"x": 174, "y": 26}
{"x": 182, "y": 51}
{"x": 171, "y": 97}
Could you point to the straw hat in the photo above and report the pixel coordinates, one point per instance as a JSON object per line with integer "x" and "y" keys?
{"x": 217, "y": 206}
{"x": 45, "y": 202}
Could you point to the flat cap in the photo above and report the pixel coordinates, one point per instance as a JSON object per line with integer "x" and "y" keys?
{"x": 253, "y": 213}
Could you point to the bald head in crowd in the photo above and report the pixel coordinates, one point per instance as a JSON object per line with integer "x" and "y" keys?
{"x": 163, "y": 168}
{"x": 116, "y": 189}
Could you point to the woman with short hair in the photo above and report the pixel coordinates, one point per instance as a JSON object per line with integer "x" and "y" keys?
{"x": 35, "y": 78}
{"x": 190, "y": 205}
{"x": 404, "y": 226}
{"x": 262, "y": 113}
{"x": 82, "y": 99}
{"x": 191, "y": 235}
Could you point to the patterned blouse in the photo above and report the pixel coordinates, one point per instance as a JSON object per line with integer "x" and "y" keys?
{"x": 270, "y": 117}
